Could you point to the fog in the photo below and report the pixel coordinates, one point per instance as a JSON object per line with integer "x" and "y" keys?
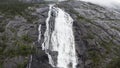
{"x": 107, "y": 3}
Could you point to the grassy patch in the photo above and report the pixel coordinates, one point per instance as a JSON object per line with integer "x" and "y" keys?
{"x": 20, "y": 49}
{"x": 107, "y": 45}
{"x": 89, "y": 36}
{"x": 95, "y": 57}
{"x": 4, "y": 38}
{"x": 115, "y": 63}
{"x": 14, "y": 9}
{"x": 24, "y": 50}
{"x": 12, "y": 29}
{"x": 83, "y": 18}
{"x": 26, "y": 38}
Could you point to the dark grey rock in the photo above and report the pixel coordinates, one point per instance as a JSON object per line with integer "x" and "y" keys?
{"x": 96, "y": 36}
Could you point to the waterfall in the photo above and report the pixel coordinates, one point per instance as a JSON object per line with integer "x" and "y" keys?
{"x": 60, "y": 40}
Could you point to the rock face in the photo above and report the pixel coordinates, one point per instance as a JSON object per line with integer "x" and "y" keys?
{"x": 96, "y": 32}
{"x": 31, "y": 1}
{"x": 18, "y": 38}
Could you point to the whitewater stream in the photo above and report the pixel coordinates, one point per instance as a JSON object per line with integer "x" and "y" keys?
{"x": 60, "y": 40}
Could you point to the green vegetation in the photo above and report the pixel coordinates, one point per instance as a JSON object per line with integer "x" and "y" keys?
{"x": 18, "y": 47}
{"x": 22, "y": 65}
{"x": 79, "y": 17}
{"x": 13, "y": 9}
{"x": 24, "y": 50}
{"x": 19, "y": 50}
{"x": 29, "y": 18}
{"x": 115, "y": 63}
{"x": 95, "y": 57}
{"x": 1, "y": 65}
{"x": 83, "y": 18}
{"x": 2, "y": 25}
{"x": 89, "y": 36}
{"x": 16, "y": 8}
{"x": 107, "y": 46}
{"x": 4, "y": 38}
{"x": 11, "y": 47}
{"x": 8, "y": 1}
{"x": 116, "y": 28}
{"x": 26, "y": 38}
{"x": 12, "y": 29}
{"x": 2, "y": 29}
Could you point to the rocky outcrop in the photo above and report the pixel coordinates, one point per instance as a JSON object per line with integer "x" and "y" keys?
{"x": 17, "y": 37}
{"x": 96, "y": 31}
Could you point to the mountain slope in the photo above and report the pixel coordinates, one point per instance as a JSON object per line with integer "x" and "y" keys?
{"x": 96, "y": 32}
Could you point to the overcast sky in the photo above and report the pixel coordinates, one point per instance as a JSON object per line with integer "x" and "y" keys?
{"x": 108, "y": 3}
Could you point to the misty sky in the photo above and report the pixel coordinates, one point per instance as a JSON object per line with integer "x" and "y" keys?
{"x": 108, "y": 3}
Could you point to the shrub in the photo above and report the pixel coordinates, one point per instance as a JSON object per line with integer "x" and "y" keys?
{"x": 115, "y": 63}
{"x": 2, "y": 29}
{"x": 26, "y": 38}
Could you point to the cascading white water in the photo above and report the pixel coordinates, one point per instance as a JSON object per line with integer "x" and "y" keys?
{"x": 45, "y": 45}
{"x": 61, "y": 39}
